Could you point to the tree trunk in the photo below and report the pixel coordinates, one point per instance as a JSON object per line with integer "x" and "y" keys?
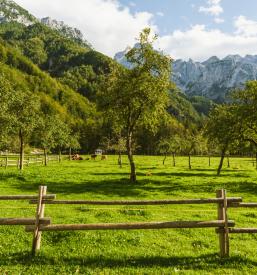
{"x": 165, "y": 156}
{"x": 221, "y": 162}
{"x": 228, "y": 161}
{"x": 60, "y": 155}
{"x": 21, "y": 150}
{"x": 189, "y": 161}
{"x": 70, "y": 153}
{"x": 256, "y": 160}
{"x": 174, "y": 160}
{"x": 131, "y": 159}
{"x": 120, "y": 160}
{"x": 45, "y": 157}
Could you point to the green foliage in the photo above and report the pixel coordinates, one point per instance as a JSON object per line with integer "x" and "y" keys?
{"x": 34, "y": 49}
{"x": 246, "y": 102}
{"x": 138, "y": 96}
{"x": 222, "y": 128}
{"x": 202, "y": 104}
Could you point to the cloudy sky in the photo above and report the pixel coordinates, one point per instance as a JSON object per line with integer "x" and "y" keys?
{"x": 194, "y": 29}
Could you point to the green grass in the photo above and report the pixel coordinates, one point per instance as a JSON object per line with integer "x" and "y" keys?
{"x": 183, "y": 251}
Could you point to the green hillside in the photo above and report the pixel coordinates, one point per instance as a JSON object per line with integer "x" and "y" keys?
{"x": 68, "y": 75}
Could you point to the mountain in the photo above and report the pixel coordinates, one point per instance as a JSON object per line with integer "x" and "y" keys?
{"x": 67, "y": 31}
{"x": 54, "y": 61}
{"x": 61, "y": 70}
{"x": 213, "y": 78}
{"x": 10, "y": 11}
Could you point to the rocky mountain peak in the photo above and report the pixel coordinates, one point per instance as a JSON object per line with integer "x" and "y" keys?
{"x": 10, "y": 11}
{"x": 213, "y": 78}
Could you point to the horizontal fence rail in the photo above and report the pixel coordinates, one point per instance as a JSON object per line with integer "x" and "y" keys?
{"x": 23, "y": 221}
{"x": 132, "y": 226}
{"x": 223, "y": 226}
{"x": 137, "y": 202}
{"x": 26, "y": 197}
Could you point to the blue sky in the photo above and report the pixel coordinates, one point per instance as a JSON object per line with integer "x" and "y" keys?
{"x": 196, "y": 29}
{"x": 181, "y": 14}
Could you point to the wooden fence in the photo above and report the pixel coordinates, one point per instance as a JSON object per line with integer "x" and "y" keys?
{"x": 223, "y": 226}
{"x": 14, "y": 161}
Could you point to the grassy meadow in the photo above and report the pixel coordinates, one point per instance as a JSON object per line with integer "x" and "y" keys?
{"x": 169, "y": 251}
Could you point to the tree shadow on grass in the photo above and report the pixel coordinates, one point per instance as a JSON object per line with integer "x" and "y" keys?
{"x": 122, "y": 188}
{"x": 212, "y": 261}
{"x": 177, "y": 174}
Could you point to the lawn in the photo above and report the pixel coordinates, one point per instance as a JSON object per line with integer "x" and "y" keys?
{"x": 182, "y": 251}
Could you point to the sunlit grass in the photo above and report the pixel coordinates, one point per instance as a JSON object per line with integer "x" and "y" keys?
{"x": 190, "y": 251}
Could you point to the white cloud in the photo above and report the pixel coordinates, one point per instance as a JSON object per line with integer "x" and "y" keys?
{"x": 106, "y": 24}
{"x": 245, "y": 26}
{"x": 111, "y": 27}
{"x": 199, "y": 43}
{"x": 213, "y": 8}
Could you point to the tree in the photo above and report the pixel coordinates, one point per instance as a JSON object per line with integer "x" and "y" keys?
{"x": 170, "y": 145}
{"x": 139, "y": 96}
{"x": 222, "y": 128}
{"x": 73, "y": 143}
{"x": 246, "y": 102}
{"x": 19, "y": 114}
{"x": 34, "y": 49}
{"x": 62, "y": 135}
{"x": 45, "y": 136}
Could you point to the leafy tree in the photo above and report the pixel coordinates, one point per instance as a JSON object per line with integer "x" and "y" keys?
{"x": 19, "y": 113}
{"x": 138, "y": 96}
{"x": 34, "y": 49}
{"x": 246, "y": 102}
{"x": 73, "y": 143}
{"x": 62, "y": 134}
{"x": 170, "y": 145}
{"x": 222, "y": 128}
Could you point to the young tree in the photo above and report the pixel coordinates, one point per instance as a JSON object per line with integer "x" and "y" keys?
{"x": 62, "y": 135}
{"x": 138, "y": 97}
{"x": 222, "y": 128}
{"x": 170, "y": 145}
{"x": 246, "y": 101}
{"x": 73, "y": 143}
{"x": 19, "y": 114}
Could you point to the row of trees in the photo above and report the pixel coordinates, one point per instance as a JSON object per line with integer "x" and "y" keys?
{"x": 21, "y": 117}
{"x": 137, "y": 106}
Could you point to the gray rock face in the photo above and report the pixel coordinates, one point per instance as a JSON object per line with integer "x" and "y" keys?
{"x": 10, "y": 11}
{"x": 212, "y": 78}
{"x": 62, "y": 27}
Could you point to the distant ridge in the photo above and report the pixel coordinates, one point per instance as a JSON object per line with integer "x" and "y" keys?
{"x": 212, "y": 78}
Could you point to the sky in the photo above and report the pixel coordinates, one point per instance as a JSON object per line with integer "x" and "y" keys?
{"x": 196, "y": 29}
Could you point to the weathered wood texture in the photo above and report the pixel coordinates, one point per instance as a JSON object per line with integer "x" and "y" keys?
{"x": 23, "y": 221}
{"x": 222, "y": 216}
{"x": 153, "y": 202}
{"x": 132, "y": 226}
{"x": 27, "y": 197}
{"x": 243, "y": 204}
{"x": 39, "y": 214}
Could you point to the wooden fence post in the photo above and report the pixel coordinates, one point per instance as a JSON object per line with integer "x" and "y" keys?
{"x": 222, "y": 215}
{"x": 6, "y": 162}
{"x": 39, "y": 214}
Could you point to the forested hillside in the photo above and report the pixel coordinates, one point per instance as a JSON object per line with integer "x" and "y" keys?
{"x": 68, "y": 76}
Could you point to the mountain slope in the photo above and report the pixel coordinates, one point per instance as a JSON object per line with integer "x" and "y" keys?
{"x": 213, "y": 78}
{"x": 10, "y": 11}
